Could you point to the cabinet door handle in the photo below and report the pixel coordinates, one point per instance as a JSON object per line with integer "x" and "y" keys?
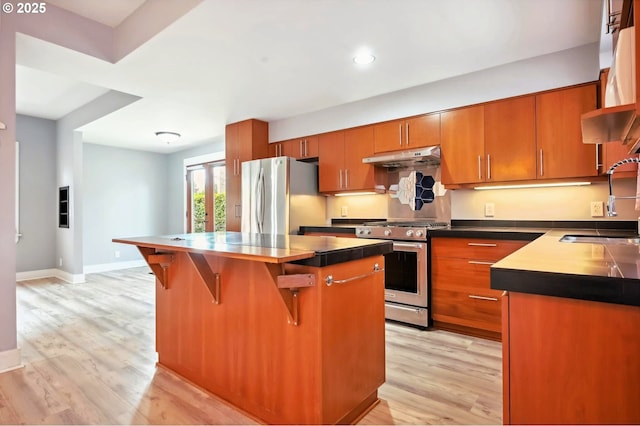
{"x": 346, "y": 178}
{"x": 492, "y": 299}
{"x": 541, "y": 163}
{"x": 479, "y": 167}
{"x": 479, "y": 262}
{"x": 598, "y": 157}
{"x": 482, "y": 244}
{"x": 306, "y": 148}
{"x": 407, "y": 133}
{"x": 488, "y": 166}
{"x": 400, "y": 134}
{"x": 340, "y": 179}
{"x": 329, "y": 280}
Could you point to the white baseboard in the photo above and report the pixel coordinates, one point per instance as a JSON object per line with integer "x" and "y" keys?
{"x": 10, "y": 360}
{"x": 78, "y": 278}
{"x": 106, "y": 267}
{"x": 49, "y": 273}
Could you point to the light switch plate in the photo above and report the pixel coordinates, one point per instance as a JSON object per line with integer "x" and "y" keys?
{"x": 344, "y": 211}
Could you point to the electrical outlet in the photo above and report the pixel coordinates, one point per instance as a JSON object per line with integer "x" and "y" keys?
{"x": 489, "y": 209}
{"x": 597, "y": 209}
{"x": 344, "y": 211}
{"x": 117, "y": 254}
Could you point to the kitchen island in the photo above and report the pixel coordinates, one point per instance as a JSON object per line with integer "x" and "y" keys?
{"x": 290, "y": 329}
{"x": 571, "y": 330}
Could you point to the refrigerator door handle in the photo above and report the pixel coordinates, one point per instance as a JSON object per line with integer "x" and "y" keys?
{"x": 260, "y": 190}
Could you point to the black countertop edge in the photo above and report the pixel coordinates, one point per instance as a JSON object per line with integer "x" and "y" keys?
{"x": 546, "y": 224}
{"x": 582, "y": 287}
{"x": 345, "y": 255}
{"x": 345, "y": 229}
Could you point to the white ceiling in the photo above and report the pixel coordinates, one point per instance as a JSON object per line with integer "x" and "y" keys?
{"x": 228, "y": 60}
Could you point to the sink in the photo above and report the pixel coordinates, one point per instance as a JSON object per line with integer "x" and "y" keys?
{"x": 600, "y": 239}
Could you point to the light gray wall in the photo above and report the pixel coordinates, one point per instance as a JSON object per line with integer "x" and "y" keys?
{"x": 176, "y": 186}
{"x": 69, "y": 173}
{"x": 125, "y": 195}
{"x": 38, "y": 194}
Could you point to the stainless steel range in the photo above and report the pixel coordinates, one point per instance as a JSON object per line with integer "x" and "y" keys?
{"x": 406, "y": 268}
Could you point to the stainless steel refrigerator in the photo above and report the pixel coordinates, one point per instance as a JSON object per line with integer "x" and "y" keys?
{"x": 279, "y": 195}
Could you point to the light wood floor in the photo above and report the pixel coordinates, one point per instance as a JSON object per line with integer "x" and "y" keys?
{"x": 89, "y": 358}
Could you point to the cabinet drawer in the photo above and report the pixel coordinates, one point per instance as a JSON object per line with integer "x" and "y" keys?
{"x": 474, "y": 248}
{"x": 477, "y": 309}
{"x": 457, "y": 272}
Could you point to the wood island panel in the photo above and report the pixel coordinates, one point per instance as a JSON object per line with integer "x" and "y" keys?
{"x": 568, "y": 361}
{"x": 325, "y": 370}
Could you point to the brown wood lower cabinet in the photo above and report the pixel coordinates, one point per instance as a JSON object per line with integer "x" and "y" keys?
{"x": 461, "y": 297}
{"x": 569, "y": 361}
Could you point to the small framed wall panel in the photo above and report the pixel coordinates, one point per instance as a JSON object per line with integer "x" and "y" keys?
{"x": 63, "y": 207}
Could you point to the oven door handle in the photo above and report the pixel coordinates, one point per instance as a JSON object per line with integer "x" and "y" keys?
{"x": 405, "y": 308}
{"x": 330, "y": 280}
{"x": 407, "y": 245}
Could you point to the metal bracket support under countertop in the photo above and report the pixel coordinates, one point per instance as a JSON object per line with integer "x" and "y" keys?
{"x": 289, "y": 286}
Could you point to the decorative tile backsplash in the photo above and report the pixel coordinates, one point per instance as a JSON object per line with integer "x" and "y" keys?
{"x": 414, "y": 190}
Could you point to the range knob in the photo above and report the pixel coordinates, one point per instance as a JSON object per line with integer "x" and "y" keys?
{"x": 419, "y": 233}
{"x": 387, "y": 232}
{"x": 368, "y": 232}
{"x": 410, "y": 233}
{"x": 361, "y": 231}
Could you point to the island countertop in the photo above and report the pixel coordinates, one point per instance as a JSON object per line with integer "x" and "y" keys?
{"x": 300, "y": 249}
{"x": 596, "y": 272}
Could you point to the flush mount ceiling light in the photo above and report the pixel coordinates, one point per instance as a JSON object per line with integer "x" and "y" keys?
{"x": 364, "y": 58}
{"x": 168, "y": 137}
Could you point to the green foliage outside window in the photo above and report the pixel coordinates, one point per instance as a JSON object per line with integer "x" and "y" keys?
{"x": 199, "y": 215}
{"x": 198, "y": 212}
{"x": 220, "y": 213}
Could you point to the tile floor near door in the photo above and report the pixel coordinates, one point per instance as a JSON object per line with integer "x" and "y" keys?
{"x": 89, "y": 358}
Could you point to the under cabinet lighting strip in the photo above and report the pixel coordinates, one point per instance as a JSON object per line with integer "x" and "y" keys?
{"x": 534, "y": 185}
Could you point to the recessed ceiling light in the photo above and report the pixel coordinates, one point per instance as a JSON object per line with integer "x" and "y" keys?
{"x": 364, "y": 58}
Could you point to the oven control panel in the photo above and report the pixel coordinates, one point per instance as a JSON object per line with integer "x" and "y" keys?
{"x": 392, "y": 233}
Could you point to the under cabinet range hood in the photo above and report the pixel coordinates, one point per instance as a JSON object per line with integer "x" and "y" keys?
{"x": 416, "y": 157}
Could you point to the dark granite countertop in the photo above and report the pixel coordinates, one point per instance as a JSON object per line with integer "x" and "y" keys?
{"x": 498, "y": 233}
{"x": 331, "y": 229}
{"x": 588, "y": 271}
{"x": 301, "y": 249}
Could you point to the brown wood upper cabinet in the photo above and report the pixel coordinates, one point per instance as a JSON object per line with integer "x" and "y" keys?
{"x": 561, "y": 152}
{"x": 510, "y": 140}
{"x": 340, "y": 164}
{"x": 518, "y": 139}
{"x": 244, "y": 140}
{"x": 409, "y": 133}
{"x": 299, "y": 148}
{"x": 462, "y": 145}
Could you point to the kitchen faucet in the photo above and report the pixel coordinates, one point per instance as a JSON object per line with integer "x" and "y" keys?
{"x": 611, "y": 208}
